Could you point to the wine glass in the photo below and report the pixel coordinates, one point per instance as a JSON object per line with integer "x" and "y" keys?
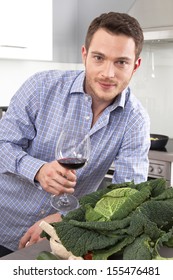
{"x": 72, "y": 152}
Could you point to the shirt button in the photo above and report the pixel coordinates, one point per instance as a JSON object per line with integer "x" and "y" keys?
{"x": 87, "y": 118}
{"x": 42, "y": 212}
{"x": 87, "y": 98}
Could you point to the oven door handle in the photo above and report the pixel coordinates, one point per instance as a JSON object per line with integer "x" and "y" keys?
{"x": 109, "y": 176}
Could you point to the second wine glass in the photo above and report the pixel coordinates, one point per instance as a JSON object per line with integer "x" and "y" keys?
{"x": 72, "y": 152}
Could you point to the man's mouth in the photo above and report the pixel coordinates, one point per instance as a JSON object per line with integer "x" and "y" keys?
{"x": 106, "y": 85}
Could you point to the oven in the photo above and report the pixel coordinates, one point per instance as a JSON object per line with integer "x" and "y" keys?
{"x": 160, "y": 166}
{"x": 159, "y": 169}
{"x": 161, "y": 163}
{"x": 3, "y": 109}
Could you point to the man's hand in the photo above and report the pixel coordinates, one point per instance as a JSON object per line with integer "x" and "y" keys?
{"x": 56, "y": 179}
{"x": 33, "y": 233}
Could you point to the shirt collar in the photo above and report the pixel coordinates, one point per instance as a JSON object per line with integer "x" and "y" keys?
{"x": 77, "y": 86}
{"x": 120, "y": 100}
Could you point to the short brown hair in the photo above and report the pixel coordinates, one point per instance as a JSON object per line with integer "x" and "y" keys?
{"x": 117, "y": 23}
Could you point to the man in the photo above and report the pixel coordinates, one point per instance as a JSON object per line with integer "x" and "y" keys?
{"x": 97, "y": 99}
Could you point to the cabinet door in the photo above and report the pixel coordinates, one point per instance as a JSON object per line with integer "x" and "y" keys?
{"x": 26, "y": 29}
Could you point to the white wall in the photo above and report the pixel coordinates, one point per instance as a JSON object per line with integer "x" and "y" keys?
{"x": 14, "y": 72}
{"x": 153, "y": 85}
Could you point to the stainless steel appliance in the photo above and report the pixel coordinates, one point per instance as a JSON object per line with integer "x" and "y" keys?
{"x": 160, "y": 165}
{"x": 3, "y": 109}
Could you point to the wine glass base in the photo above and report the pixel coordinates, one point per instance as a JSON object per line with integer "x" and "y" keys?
{"x": 64, "y": 203}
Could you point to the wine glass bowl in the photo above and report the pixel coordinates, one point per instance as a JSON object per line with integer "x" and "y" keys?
{"x": 72, "y": 152}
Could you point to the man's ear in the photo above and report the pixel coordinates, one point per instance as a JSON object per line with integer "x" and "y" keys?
{"x": 137, "y": 64}
{"x": 84, "y": 54}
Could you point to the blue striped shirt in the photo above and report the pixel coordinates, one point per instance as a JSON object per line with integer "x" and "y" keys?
{"x": 28, "y": 134}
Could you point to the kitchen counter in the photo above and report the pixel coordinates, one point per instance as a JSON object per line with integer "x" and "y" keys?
{"x": 159, "y": 155}
{"x": 165, "y": 155}
{"x": 31, "y": 252}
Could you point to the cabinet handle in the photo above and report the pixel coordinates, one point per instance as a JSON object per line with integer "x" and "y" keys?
{"x": 10, "y": 46}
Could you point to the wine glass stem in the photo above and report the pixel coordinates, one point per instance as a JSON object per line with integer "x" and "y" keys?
{"x": 64, "y": 199}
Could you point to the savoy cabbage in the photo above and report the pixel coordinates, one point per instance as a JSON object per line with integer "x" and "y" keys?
{"x": 124, "y": 220}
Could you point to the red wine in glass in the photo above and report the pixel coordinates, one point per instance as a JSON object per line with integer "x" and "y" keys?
{"x": 72, "y": 152}
{"x": 72, "y": 163}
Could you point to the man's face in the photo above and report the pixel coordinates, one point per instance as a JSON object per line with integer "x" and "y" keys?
{"x": 109, "y": 65}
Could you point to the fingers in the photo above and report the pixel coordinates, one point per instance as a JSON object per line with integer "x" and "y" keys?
{"x": 56, "y": 179}
{"x": 24, "y": 240}
{"x": 33, "y": 233}
{"x": 30, "y": 237}
{"x": 67, "y": 178}
{"x": 60, "y": 185}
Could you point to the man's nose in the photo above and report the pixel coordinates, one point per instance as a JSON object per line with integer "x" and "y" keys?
{"x": 108, "y": 70}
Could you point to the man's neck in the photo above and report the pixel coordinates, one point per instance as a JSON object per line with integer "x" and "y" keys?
{"x": 97, "y": 109}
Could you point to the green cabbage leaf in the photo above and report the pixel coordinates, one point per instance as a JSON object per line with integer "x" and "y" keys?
{"x": 124, "y": 221}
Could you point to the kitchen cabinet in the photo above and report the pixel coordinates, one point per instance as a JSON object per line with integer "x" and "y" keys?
{"x": 26, "y": 29}
{"x": 153, "y": 14}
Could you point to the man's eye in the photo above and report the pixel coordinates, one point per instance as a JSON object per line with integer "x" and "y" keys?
{"x": 98, "y": 58}
{"x": 122, "y": 63}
